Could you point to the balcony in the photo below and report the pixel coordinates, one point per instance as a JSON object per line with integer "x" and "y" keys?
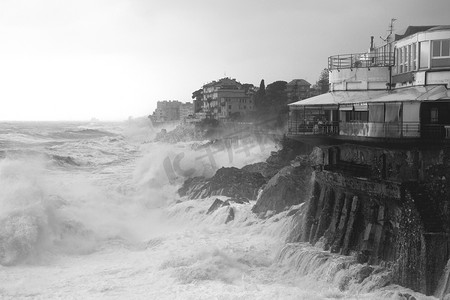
{"x": 300, "y": 128}
{"x": 361, "y": 60}
{"x": 400, "y": 131}
{"x": 360, "y": 71}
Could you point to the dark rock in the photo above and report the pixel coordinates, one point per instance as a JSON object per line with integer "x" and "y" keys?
{"x": 230, "y": 182}
{"x": 191, "y": 186}
{"x": 181, "y": 133}
{"x": 407, "y": 296}
{"x": 238, "y": 200}
{"x": 230, "y": 216}
{"x": 267, "y": 170}
{"x": 290, "y": 186}
{"x": 216, "y": 204}
{"x": 292, "y": 212}
{"x": 363, "y": 273}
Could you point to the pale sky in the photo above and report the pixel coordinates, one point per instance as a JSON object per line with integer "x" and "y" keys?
{"x": 110, "y": 59}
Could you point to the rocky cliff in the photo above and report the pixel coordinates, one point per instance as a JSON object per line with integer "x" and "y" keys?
{"x": 289, "y": 186}
{"x": 385, "y": 207}
{"x": 388, "y": 209}
{"x": 230, "y": 182}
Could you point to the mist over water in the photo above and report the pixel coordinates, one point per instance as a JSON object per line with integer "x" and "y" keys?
{"x": 90, "y": 211}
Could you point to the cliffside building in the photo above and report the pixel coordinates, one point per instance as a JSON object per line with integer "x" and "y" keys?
{"x": 186, "y": 110}
{"x": 226, "y": 98}
{"x": 170, "y": 111}
{"x": 382, "y": 185}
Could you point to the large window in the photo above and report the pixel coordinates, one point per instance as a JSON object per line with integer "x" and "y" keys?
{"x": 441, "y": 48}
{"x": 400, "y": 62}
{"x": 424, "y": 54}
{"x": 406, "y": 59}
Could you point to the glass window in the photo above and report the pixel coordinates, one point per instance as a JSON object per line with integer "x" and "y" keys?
{"x": 413, "y": 57}
{"x": 436, "y": 48}
{"x": 408, "y": 60}
{"x": 445, "y": 48}
{"x": 441, "y": 48}
{"x": 424, "y": 54}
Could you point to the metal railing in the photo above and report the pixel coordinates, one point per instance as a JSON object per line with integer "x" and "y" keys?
{"x": 301, "y": 128}
{"x": 400, "y": 130}
{"x": 360, "y": 60}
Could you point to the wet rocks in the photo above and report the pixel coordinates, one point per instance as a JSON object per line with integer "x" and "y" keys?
{"x": 216, "y": 204}
{"x": 230, "y": 216}
{"x": 219, "y": 203}
{"x": 265, "y": 169}
{"x": 181, "y": 133}
{"x": 290, "y": 186}
{"x": 230, "y": 182}
{"x": 192, "y": 186}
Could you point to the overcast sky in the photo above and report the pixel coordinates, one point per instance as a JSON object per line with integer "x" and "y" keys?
{"x": 110, "y": 59}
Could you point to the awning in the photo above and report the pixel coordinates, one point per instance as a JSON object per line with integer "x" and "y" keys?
{"x": 360, "y": 99}
{"x": 347, "y": 107}
{"x": 361, "y": 107}
{"x": 339, "y": 97}
{"x": 416, "y": 93}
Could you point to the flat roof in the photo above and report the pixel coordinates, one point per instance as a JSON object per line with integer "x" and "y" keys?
{"x": 417, "y": 93}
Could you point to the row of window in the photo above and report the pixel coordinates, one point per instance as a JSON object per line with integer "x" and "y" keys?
{"x": 241, "y": 100}
{"x": 240, "y": 107}
{"x": 416, "y": 56}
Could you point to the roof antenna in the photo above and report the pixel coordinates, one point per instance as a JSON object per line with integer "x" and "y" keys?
{"x": 390, "y": 30}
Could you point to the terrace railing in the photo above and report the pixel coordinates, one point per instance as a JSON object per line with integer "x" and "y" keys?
{"x": 361, "y": 60}
{"x": 300, "y": 128}
{"x": 398, "y": 130}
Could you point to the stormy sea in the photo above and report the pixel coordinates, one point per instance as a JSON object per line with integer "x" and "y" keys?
{"x": 91, "y": 211}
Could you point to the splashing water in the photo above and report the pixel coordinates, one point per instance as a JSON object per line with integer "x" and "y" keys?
{"x": 114, "y": 228}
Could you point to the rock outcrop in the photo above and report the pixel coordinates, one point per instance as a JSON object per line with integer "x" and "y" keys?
{"x": 230, "y": 182}
{"x": 290, "y": 186}
{"x": 181, "y": 133}
{"x": 384, "y": 207}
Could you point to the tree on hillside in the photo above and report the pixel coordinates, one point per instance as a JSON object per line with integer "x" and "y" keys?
{"x": 259, "y": 98}
{"x": 277, "y": 98}
{"x": 247, "y": 86}
{"x": 271, "y": 103}
{"x": 262, "y": 88}
{"x": 198, "y": 94}
{"x": 324, "y": 82}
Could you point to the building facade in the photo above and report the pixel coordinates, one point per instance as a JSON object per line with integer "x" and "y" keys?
{"x": 382, "y": 184}
{"x": 186, "y": 110}
{"x": 227, "y": 98}
{"x": 399, "y": 90}
{"x": 170, "y": 111}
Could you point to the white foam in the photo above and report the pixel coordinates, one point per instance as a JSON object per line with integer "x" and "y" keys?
{"x": 120, "y": 232}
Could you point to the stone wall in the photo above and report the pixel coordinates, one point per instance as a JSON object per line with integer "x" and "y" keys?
{"x": 397, "y": 216}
